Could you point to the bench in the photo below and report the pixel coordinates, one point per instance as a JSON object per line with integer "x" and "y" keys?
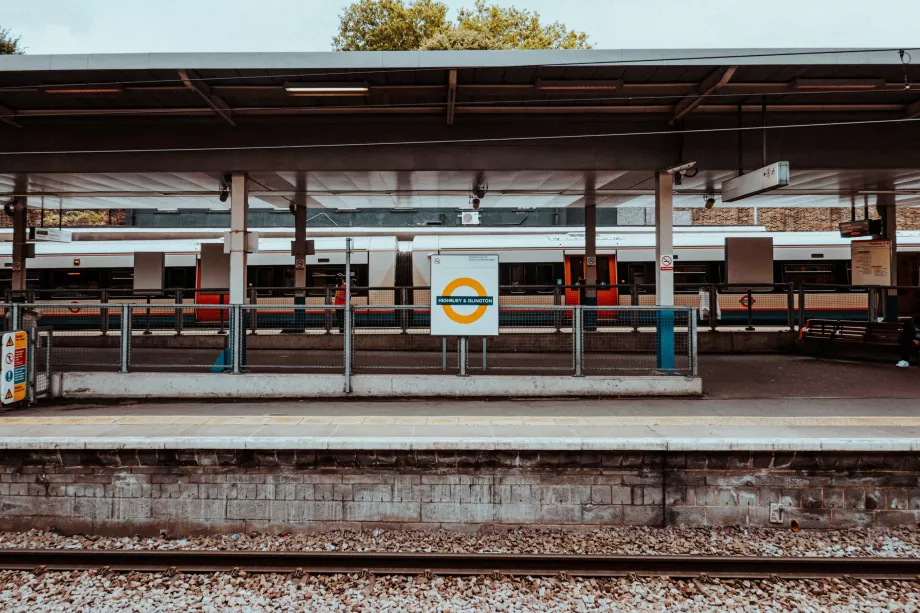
{"x": 847, "y": 336}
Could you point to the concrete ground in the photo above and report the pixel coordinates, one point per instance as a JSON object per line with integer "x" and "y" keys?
{"x": 751, "y": 402}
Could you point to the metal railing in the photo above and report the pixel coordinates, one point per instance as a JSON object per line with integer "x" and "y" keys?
{"x": 537, "y": 339}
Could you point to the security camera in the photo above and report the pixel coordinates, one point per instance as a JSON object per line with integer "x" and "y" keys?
{"x": 475, "y": 203}
{"x": 681, "y": 169}
{"x": 710, "y": 202}
{"x": 479, "y": 193}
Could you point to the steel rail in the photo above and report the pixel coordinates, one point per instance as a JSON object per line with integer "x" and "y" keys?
{"x": 383, "y": 563}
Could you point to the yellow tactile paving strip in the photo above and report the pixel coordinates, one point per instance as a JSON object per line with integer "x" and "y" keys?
{"x": 255, "y": 420}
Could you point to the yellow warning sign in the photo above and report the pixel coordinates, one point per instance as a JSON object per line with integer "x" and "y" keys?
{"x": 9, "y": 342}
{"x": 9, "y": 394}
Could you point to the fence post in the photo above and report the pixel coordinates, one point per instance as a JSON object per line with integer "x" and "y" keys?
{"x": 220, "y": 311}
{"x": 179, "y": 322}
{"x": 125, "y": 337}
{"x": 443, "y": 353}
{"x": 104, "y": 311}
{"x": 327, "y": 313}
{"x": 30, "y": 361}
{"x": 484, "y": 355}
{"x": 236, "y": 335}
{"x": 14, "y": 316}
{"x": 348, "y": 346}
{"x": 462, "y": 348}
{"x": 558, "y": 314}
{"x": 254, "y": 314}
{"x": 790, "y": 308}
{"x": 577, "y": 323}
{"x": 750, "y": 312}
{"x": 634, "y": 301}
{"x": 713, "y": 306}
{"x": 694, "y": 348}
{"x": 403, "y": 312}
{"x": 801, "y": 306}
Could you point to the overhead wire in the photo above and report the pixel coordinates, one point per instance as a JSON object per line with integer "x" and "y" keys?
{"x": 500, "y": 139}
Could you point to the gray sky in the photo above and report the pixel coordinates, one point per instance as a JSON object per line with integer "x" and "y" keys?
{"x": 124, "y": 26}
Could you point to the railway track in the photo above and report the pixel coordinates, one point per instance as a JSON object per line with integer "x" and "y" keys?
{"x": 381, "y": 563}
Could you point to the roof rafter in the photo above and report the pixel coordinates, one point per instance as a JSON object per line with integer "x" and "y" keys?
{"x": 6, "y": 115}
{"x": 451, "y": 96}
{"x": 203, "y": 90}
{"x": 709, "y": 86}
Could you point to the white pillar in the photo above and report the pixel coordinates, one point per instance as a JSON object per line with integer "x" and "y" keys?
{"x": 664, "y": 239}
{"x": 239, "y": 211}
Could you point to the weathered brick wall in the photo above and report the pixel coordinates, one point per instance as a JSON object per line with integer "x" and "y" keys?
{"x": 825, "y": 219}
{"x": 181, "y": 492}
{"x": 72, "y": 218}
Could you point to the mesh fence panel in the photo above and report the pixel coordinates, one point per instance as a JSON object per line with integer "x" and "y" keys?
{"x": 533, "y": 339}
{"x": 293, "y": 338}
{"x": 41, "y": 344}
{"x": 398, "y": 338}
{"x": 625, "y": 340}
{"x": 79, "y": 342}
{"x": 851, "y": 303}
{"x": 200, "y": 337}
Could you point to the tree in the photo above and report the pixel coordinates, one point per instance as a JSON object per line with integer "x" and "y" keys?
{"x": 520, "y": 29}
{"x": 395, "y": 25}
{"x": 457, "y": 39}
{"x": 8, "y": 44}
{"x": 389, "y": 25}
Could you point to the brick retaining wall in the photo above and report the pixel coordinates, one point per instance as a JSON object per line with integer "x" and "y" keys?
{"x": 183, "y": 492}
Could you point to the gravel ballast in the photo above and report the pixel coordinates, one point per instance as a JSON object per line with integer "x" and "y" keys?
{"x": 876, "y": 542}
{"x": 98, "y": 592}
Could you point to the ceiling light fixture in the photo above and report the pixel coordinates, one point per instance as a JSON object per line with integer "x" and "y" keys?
{"x": 84, "y": 90}
{"x": 832, "y": 84}
{"x": 576, "y": 86}
{"x": 327, "y": 89}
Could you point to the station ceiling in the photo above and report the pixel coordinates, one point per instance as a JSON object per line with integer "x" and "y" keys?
{"x": 161, "y": 130}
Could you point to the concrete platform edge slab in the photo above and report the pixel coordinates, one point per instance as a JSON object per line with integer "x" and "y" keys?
{"x": 271, "y": 385}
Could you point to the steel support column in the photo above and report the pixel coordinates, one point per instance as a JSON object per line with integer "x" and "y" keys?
{"x": 885, "y": 205}
{"x": 300, "y": 250}
{"x": 590, "y": 293}
{"x": 664, "y": 267}
{"x": 20, "y": 222}
{"x": 239, "y": 211}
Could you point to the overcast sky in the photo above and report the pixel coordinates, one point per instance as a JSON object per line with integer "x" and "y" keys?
{"x": 122, "y": 26}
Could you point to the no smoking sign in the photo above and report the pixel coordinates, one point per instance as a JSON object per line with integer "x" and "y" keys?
{"x": 667, "y": 263}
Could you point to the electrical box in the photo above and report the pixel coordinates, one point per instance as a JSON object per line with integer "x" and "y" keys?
{"x": 149, "y": 271}
{"x": 309, "y": 249}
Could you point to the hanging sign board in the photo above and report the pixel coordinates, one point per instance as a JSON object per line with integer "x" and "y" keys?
{"x": 464, "y": 295}
{"x": 13, "y": 386}
{"x": 870, "y": 262}
{"x": 757, "y": 182}
{"x": 51, "y": 234}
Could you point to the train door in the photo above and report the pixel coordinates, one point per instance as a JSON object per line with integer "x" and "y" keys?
{"x": 606, "y": 283}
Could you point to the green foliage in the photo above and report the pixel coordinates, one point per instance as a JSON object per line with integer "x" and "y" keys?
{"x": 8, "y": 44}
{"x": 389, "y": 25}
{"x": 519, "y": 29}
{"x": 394, "y": 25}
{"x": 462, "y": 40}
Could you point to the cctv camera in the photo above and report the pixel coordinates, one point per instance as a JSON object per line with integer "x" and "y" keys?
{"x": 710, "y": 202}
{"x": 479, "y": 192}
{"x": 476, "y": 203}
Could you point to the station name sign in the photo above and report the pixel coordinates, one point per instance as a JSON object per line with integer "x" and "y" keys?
{"x": 464, "y": 295}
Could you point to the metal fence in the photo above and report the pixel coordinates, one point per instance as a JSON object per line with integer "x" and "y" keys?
{"x": 381, "y": 339}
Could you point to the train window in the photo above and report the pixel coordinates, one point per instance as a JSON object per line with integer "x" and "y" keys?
{"x": 518, "y": 274}
{"x": 603, "y": 270}
{"x": 691, "y": 273}
{"x": 576, "y": 269}
{"x": 820, "y": 274}
{"x": 545, "y": 274}
{"x": 176, "y": 278}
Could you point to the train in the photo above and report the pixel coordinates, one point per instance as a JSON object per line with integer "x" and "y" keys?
{"x": 537, "y": 267}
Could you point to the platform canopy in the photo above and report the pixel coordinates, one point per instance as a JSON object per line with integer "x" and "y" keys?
{"x": 422, "y": 129}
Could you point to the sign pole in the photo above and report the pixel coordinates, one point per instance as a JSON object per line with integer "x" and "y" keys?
{"x": 347, "y": 316}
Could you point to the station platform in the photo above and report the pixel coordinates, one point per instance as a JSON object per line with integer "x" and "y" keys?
{"x": 776, "y": 441}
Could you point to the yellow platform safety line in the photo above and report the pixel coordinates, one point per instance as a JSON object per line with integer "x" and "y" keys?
{"x": 416, "y": 420}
